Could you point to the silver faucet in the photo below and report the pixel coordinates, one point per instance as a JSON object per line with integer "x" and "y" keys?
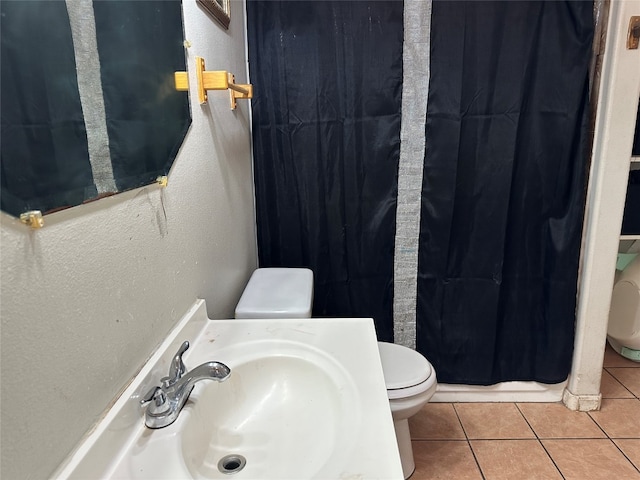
{"x": 167, "y": 400}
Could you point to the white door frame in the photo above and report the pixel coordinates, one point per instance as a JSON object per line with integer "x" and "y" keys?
{"x": 613, "y": 139}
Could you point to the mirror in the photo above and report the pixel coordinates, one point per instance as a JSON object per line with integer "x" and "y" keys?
{"x": 89, "y": 106}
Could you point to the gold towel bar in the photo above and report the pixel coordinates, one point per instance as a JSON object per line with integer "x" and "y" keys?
{"x": 214, "y": 80}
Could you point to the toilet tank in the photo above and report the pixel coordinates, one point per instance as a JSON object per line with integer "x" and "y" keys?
{"x": 277, "y": 293}
{"x": 624, "y": 314}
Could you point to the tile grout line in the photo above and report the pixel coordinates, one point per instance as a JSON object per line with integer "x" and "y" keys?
{"x": 600, "y": 427}
{"x": 618, "y": 381}
{"x": 539, "y": 440}
{"x": 473, "y": 453}
{"x": 551, "y": 458}
{"x": 427, "y": 440}
{"x": 603, "y": 430}
{"x": 453, "y": 405}
{"x": 624, "y": 454}
{"x": 613, "y": 441}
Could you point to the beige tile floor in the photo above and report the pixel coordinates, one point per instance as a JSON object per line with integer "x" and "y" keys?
{"x": 494, "y": 441}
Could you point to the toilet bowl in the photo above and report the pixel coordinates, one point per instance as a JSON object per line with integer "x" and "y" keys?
{"x": 411, "y": 382}
{"x": 623, "y": 332}
{"x": 409, "y": 377}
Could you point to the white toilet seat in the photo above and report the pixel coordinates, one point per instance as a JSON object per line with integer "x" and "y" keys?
{"x": 398, "y": 393}
{"x": 406, "y": 372}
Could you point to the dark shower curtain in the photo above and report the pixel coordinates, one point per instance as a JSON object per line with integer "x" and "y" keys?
{"x": 503, "y": 189}
{"x": 504, "y": 173}
{"x": 326, "y": 133}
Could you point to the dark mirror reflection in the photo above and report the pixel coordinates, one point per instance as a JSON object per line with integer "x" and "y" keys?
{"x": 631, "y": 217}
{"x": 88, "y": 106}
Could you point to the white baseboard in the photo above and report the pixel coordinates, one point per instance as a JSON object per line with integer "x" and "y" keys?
{"x": 581, "y": 403}
{"x": 501, "y": 392}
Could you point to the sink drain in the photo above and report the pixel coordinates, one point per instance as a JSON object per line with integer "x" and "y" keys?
{"x": 231, "y": 464}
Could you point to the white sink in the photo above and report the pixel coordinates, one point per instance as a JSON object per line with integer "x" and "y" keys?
{"x": 305, "y": 400}
{"x": 286, "y": 413}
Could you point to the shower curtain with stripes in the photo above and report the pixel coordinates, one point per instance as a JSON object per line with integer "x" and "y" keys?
{"x": 428, "y": 162}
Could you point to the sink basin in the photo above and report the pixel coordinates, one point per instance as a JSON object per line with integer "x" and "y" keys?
{"x": 306, "y": 399}
{"x": 285, "y": 413}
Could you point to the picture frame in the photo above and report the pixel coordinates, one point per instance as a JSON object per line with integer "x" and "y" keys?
{"x": 220, "y": 10}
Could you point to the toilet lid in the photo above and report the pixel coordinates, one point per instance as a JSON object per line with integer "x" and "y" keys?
{"x": 402, "y": 366}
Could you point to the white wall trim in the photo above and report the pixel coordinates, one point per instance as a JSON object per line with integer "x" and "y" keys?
{"x": 613, "y": 138}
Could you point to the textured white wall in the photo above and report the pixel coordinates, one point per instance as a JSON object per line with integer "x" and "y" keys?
{"x": 86, "y": 299}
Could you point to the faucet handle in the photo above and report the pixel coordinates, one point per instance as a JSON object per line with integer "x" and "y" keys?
{"x": 158, "y": 398}
{"x": 177, "y": 367}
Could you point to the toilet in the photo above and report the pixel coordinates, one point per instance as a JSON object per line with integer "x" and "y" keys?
{"x": 409, "y": 377}
{"x": 623, "y": 332}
